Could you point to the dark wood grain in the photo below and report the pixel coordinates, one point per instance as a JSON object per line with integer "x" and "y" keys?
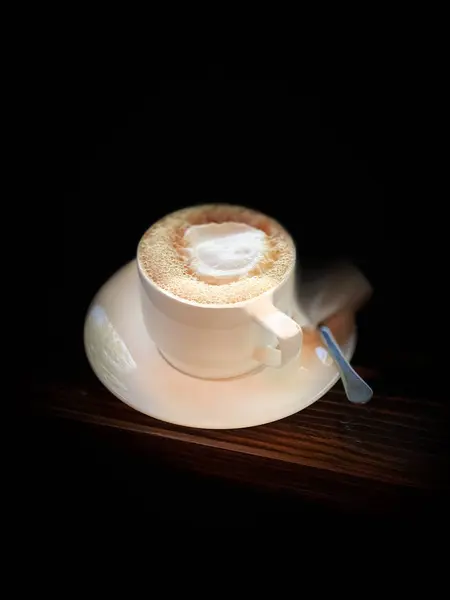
{"x": 387, "y": 458}
{"x": 372, "y": 458}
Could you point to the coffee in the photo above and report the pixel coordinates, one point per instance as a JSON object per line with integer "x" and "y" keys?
{"x": 216, "y": 254}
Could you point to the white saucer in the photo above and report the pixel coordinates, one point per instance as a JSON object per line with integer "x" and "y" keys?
{"x": 125, "y": 359}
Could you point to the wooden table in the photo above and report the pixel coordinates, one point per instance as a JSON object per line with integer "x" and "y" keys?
{"x": 387, "y": 458}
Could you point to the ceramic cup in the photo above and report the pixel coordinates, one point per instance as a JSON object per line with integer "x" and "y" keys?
{"x": 220, "y": 341}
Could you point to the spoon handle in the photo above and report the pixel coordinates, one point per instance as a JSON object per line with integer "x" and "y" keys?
{"x": 356, "y": 388}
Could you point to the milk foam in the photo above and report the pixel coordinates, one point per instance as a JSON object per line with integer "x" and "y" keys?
{"x": 241, "y": 254}
{"x": 222, "y": 252}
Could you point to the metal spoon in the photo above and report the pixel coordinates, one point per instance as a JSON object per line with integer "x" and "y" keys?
{"x": 356, "y": 388}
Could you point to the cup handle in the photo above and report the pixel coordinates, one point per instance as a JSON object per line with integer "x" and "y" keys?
{"x": 288, "y": 332}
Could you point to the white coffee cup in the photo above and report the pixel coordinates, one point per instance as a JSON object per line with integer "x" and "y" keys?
{"x": 223, "y": 340}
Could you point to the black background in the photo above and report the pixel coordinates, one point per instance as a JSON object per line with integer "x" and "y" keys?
{"x": 116, "y": 151}
{"x": 115, "y": 145}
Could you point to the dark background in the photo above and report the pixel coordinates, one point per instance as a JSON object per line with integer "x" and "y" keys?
{"x": 120, "y": 152}
{"x": 118, "y": 148}
{"x": 115, "y": 148}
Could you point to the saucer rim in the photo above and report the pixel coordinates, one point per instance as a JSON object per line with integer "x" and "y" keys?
{"x": 348, "y": 348}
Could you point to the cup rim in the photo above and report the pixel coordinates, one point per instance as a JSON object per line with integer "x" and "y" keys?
{"x": 221, "y": 305}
